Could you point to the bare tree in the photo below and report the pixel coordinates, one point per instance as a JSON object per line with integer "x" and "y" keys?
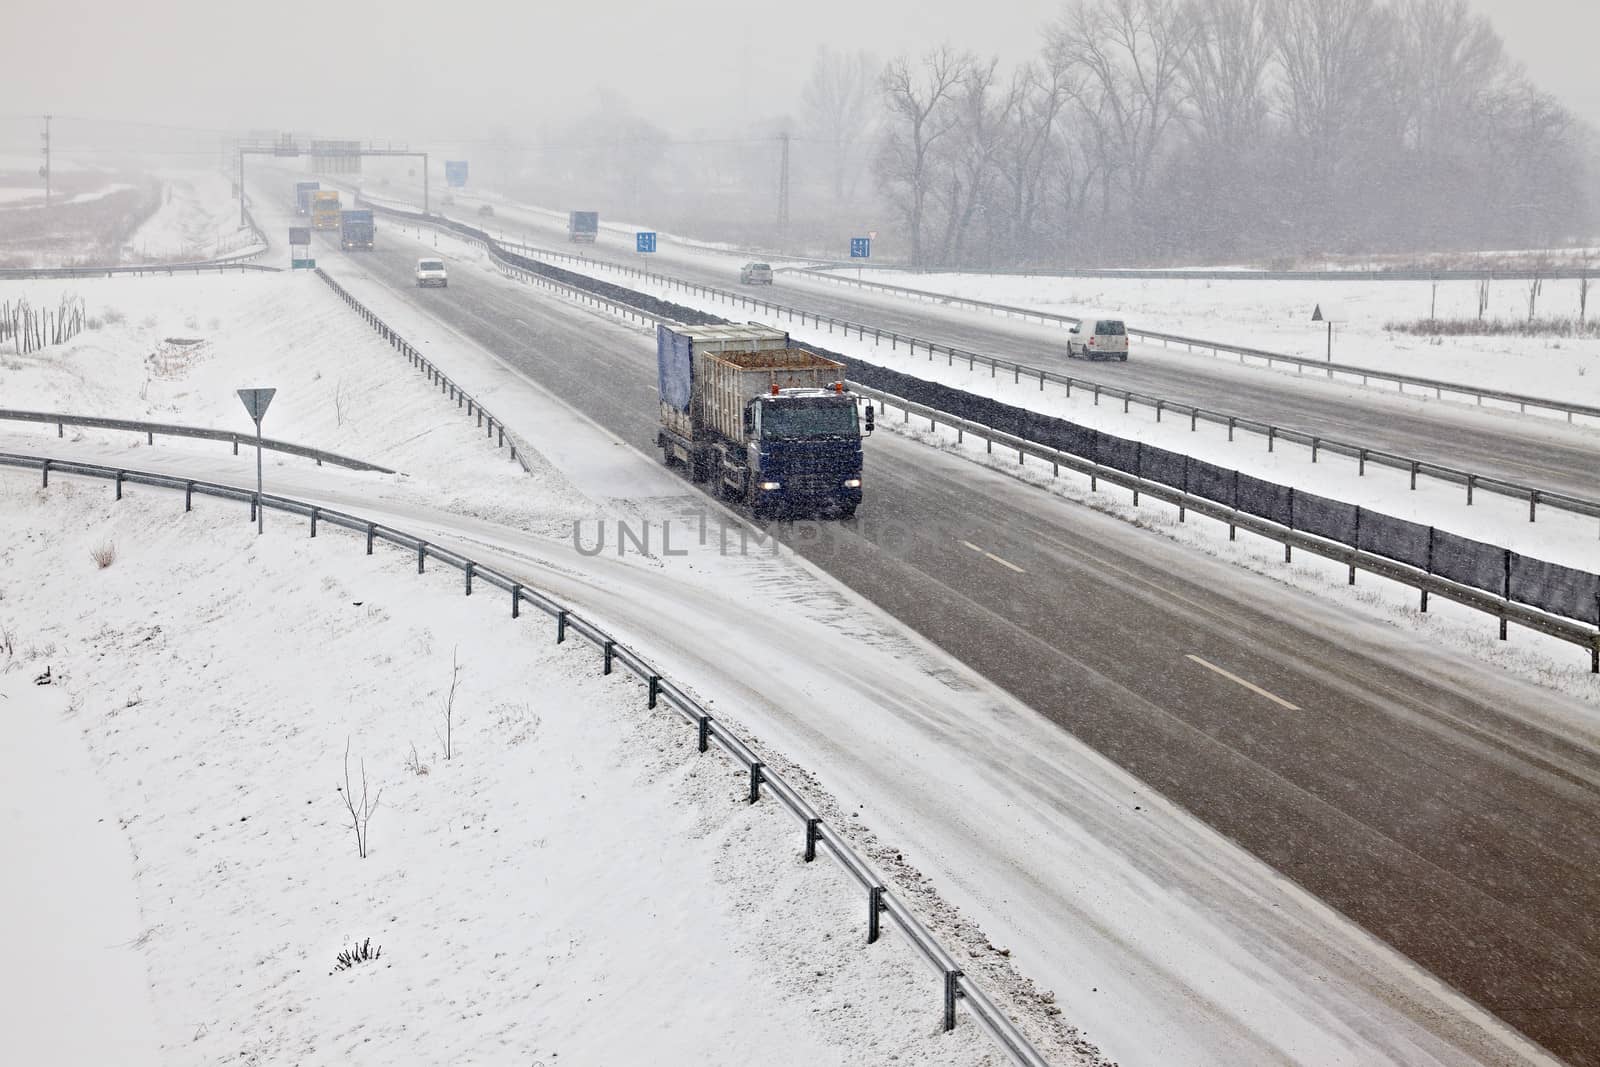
{"x": 450, "y": 705}
{"x": 1031, "y": 141}
{"x": 983, "y": 112}
{"x": 1450, "y": 57}
{"x": 1133, "y": 52}
{"x": 920, "y": 116}
{"x": 360, "y": 810}
{"x": 839, "y": 111}
{"x": 1225, "y": 72}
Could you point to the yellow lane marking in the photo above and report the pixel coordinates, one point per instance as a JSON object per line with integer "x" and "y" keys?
{"x": 1240, "y": 681}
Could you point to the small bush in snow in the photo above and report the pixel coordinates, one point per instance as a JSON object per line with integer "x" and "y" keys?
{"x": 1546, "y": 327}
{"x": 104, "y": 554}
{"x": 113, "y": 316}
{"x": 355, "y": 954}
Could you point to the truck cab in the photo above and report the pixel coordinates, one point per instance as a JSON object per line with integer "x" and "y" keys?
{"x": 804, "y": 451}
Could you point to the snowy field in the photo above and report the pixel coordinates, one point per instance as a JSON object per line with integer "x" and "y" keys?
{"x": 1276, "y": 315}
{"x": 101, "y": 217}
{"x": 570, "y": 884}
{"x": 198, "y": 220}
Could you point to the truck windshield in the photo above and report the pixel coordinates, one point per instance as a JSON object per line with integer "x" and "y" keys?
{"x": 809, "y": 418}
{"x": 431, "y": 264}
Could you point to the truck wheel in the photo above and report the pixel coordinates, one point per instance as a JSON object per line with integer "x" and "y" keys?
{"x": 848, "y": 511}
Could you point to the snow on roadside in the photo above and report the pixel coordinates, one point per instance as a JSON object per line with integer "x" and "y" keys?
{"x": 175, "y": 349}
{"x": 1276, "y": 315}
{"x": 198, "y": 219}
{"x": 575, "y": 882}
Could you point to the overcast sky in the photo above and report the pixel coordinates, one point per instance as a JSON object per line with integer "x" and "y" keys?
{"x": 424, "y": 69}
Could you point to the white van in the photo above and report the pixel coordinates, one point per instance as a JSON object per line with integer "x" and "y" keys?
{"x": 432, "y": 272}
{"x": 1098, "y": 338}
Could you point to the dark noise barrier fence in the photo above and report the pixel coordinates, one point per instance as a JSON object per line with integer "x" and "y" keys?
{"x": 1550, "y": 587}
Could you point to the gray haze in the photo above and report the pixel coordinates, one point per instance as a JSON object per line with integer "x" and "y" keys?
{"x": 430, "y": 70}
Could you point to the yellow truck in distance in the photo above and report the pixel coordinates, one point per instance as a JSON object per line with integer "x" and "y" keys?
{"x": 325, "y": 209}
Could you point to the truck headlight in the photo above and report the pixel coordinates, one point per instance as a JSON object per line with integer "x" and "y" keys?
{"x": 852, "y": 483}
{"x": 769, "y": 485}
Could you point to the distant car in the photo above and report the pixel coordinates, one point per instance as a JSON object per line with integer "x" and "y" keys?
{"x": 1098, "y": 339}
{"x": 447, "y": 200}
{"x": 485, "y": 210}
{"x": 755, "y": 274}
{"x": 432, "y": 272}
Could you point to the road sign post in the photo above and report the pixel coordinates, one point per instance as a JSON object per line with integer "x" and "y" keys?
{"x": 860, "y": 248}
{"x": 300, "y": 237}
{"x": 255, "y": 402}
{"x": 1330, "y": 316}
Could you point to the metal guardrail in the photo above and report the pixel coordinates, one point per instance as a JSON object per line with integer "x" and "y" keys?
{"x": 474, "y": 409}
{"x": 881, "y": 900}
{"x": 165, "y": 429}
{"x": 1473, "y": 482}
{"x": 1438, "y": 387}
{"x": 1407, "y": 274}
{"x": 1504, "y": 609}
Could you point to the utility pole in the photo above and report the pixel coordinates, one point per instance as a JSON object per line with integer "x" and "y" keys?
{"x": 783, "y": 194}
{"x": 44, "y": 171}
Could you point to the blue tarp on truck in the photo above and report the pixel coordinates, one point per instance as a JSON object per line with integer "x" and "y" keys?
{"x": 675, "y": 368}
{"x": 302, "y": 196}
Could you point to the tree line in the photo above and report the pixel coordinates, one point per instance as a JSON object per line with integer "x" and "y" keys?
{"x": 1148, "y": 131}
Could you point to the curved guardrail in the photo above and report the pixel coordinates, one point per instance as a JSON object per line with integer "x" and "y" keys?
{"x": 61, "y": 420}
{"x": 1217, "y": 348}
{"x": 881, "y": 900}
{"x": 1472, "y": 481}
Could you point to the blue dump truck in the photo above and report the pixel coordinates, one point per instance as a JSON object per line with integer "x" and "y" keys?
{"x": 356, "y": 229}
{"x": 302, "y": 196}
{"x": 763, "y": 421}
{"x": 583, "y": 226}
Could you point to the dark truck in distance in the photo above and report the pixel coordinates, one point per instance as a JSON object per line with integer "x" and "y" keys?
{"x": 302, "y": 196}
{"x": 767, "y": 423}
{"x": 583, "y": 226}
{"x": 356, "y": 229}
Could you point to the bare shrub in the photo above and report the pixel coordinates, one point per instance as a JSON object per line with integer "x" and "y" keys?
{"x": 414, "y": 762}
{"x": 113, "y": 316}
{"x": 340, "y": 399}
{"x": 360, "y": 810}
{"x": 1546, "y": 327}
{"x": 450, "y": 705}
{"x": 355, "y": 954}
{"x": 104, "y": 554}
